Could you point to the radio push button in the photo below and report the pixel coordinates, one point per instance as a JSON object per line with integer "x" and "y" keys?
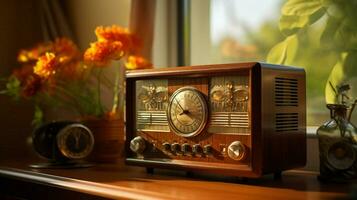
{"x": 208, "y": 150}
{"x": 176, "y": 148}
{"x": 137, "y": 145}
{"x": 186, "y": 149}
{"x": 236, "y": 150}
{"x": 197, "y": 150}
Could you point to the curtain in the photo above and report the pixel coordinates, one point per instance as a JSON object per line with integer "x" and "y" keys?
{"x": 142, "y": 18}
{"x": 54, "y": 23}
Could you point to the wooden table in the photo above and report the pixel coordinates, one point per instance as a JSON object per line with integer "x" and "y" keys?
{"x": 117, "y": 181}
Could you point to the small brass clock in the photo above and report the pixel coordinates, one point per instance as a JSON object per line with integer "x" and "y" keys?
{"x": 75, "y": 141}
{"x": 187, "y": 112}
{"x": 65, "y": 144}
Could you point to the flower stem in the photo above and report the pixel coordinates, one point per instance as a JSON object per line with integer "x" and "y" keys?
{"x": 72, "y": 100}
{"x": 116, "y": 90}
{"x": 99, "y": 100}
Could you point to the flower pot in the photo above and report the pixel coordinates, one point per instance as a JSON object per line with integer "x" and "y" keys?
{"x": 109, "y": 139}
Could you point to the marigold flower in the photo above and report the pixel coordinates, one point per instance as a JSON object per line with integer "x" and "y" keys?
{"x": 112, "y": 33}
{"x": 32, "y": 86}
{"x": 100, "y": 53}
{"x": 46, "y": 65}
{"x": 115, "y": 33}
{"x": 31, "y": 55}
{"x": 66, "y": 50}
{"x": 137, "y": 62}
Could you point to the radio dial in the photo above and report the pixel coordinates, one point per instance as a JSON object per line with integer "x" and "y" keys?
{"x": 176, "y": 148}
{"x": 187, "y": 112}
{"x": 186, "y": 149}
{"x": 208, "y": 150}
{"x": 137, "y": 145}
{"x": 236, "y": 150}
{"x": 197, "y": 150}
{"x": 166, "y": 147}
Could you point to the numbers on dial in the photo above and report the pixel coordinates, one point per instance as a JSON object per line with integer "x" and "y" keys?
{"x": 187, "y": 112}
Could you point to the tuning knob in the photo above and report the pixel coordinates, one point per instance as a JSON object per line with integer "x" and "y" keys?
{"x": 197, "y": 150}
{"x": 236, "y": 150}
{"x": 137, "y": 145}
{"x": 166, "y": 147}
{"x": 208, "y": 150}
{"x": 176, "y": 148}
{"x": 186, "y": 149}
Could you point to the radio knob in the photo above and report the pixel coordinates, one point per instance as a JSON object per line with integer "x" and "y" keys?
{"x": 176, "y": 148}
{"x": 137, "y": 145}
{"x": 208, "y": 150}
{"x": 236, "y": 150}
{"x": 166, "y": 147}
{"x": 197, "y": 150}
{"x": 186, "y": 149}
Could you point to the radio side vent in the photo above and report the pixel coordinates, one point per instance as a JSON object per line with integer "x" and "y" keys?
{"x": 286, "y": 92}
{"x": 286, "y": 122}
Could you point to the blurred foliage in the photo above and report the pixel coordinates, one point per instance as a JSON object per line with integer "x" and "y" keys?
{"x": 318, "y": 35}
{"x": 337, "y": 39}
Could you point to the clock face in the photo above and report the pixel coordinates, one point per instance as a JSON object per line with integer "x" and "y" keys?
{"x": 75, "y": 141}
{"x": 187, "y": 112}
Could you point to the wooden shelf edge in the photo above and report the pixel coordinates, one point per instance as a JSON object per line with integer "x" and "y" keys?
{"x": 97, "y": 189}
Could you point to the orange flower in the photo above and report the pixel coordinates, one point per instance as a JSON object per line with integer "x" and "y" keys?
{"x": 31, "y": 55}
{"x": 115, "y": 33}
{"x": 101, "y": 52}
{"x": 66, "y": 50}
{"x": 68, "y": 58}
{"x": 137, "y": 62}
{"x": 32, "y": 86}
{"x": 46, "y": 65}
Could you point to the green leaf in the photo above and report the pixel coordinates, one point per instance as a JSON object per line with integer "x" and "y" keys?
{"x": 291, "y": 24}
{"x": 348, "y": 35}
{"x": 284, "y": 52}
{"x": 37, "y": 117}
{"x": 342, "y": 72}
{"x": 277, "y": 54}
{"x": 13, "y": 87}
{"x": 328, "y": 35}
{"x": 301, "y": 7}
{"x": 291, "y": 50}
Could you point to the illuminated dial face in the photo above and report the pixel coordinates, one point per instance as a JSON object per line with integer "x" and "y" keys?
{"x": 75, "y": 141}
{"x": 187, "y": 112}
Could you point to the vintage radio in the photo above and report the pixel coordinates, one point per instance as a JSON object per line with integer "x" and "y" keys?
{"x": 245, "y": 119}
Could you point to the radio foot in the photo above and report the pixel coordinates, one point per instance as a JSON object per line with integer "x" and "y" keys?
{"x": 277, "y": 175}
{"x": 150, "y": 170}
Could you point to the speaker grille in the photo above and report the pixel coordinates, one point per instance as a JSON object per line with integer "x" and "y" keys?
{"x": 286, "y": 122}
{"x": 286, "y": 92}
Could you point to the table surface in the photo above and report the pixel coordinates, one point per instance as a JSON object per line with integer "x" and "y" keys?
{"x": 120, "y": 181}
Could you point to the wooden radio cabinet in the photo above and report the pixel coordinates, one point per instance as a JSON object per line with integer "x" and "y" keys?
{"x": 243, "y": 119}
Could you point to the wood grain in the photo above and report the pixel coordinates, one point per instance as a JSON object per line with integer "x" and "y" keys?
{"x": 116, "y": 181}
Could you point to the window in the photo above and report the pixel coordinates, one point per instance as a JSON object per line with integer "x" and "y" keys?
{"x": 236, "y": 31}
